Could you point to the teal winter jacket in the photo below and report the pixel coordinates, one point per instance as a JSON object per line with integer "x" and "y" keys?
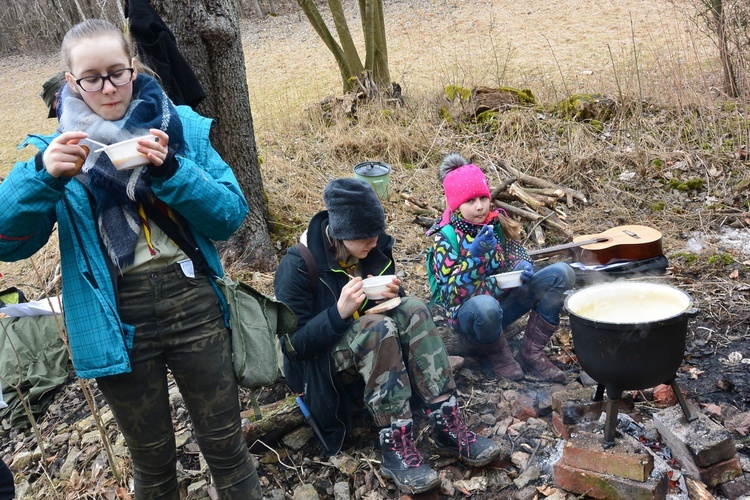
{"x": 203, "y": 190}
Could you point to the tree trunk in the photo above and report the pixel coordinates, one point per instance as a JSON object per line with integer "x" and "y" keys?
{"x": 316, "y": 20}
{"x": 345, "y": 37}
{"x": 373, "y": 24}
{"x": 730, "y": 85}
{"x": 208, "y": 35}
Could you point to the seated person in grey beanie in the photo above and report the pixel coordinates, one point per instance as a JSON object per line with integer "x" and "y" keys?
{"x": 386, "y": 359}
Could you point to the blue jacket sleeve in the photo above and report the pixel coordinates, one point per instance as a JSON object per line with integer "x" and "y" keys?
{"x": 27, "y": 210}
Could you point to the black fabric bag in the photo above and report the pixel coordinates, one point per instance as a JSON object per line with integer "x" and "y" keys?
{"x": 654, "y": 266}
{"x": 11, "y": 295}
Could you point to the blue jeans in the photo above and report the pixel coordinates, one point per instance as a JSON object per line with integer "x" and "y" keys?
{"x": 482, "y": 317}
{"x": 178, "y": 327}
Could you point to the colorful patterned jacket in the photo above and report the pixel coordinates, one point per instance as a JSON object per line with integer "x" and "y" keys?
{"x": 462, "y": 275}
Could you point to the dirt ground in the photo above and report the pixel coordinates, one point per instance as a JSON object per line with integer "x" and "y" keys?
{"x": 556, "y": 50}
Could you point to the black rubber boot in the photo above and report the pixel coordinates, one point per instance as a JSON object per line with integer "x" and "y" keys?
{"x": 402, "y": 461}
{"x": 532, "y": 356}
{"x": 453, "y": 438}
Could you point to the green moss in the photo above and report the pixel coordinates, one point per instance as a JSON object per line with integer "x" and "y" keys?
{"x": 453, "y": 92}
{"x": 688, "y": 258}
{"x": 445, "y": 114}
{"x": 658, "y": 206}
{"x": 486, "y": 116}
{"x": 586, "y": 107}
{"x": 657, "y": 162}
{"x": 695, "y": 184}
{"x": 524, "y": 96}
{"x": 721, "y": 259}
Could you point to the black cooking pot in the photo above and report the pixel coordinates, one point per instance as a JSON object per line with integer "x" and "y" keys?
{"x": 629, "y": 335}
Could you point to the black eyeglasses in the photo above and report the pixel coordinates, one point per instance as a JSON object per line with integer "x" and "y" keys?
{"x": 96, "y": 83}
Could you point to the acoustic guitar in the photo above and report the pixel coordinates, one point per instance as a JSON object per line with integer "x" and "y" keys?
{"x": 618, "y": 243}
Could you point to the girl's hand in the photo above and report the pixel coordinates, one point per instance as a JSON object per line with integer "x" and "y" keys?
{"x": 484, "y": 242}
{"x": 64, "y": 156}
{"x": 393, "y": 288}
{"x": 157, "y": 150}
{"x": 351, "y": 297}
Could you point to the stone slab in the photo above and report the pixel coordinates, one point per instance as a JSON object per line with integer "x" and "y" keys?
{"x": 628, "y": 458}
{"x": 701, "y": 442}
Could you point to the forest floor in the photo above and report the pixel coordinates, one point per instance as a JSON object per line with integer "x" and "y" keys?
{"x": 662, "y": 160}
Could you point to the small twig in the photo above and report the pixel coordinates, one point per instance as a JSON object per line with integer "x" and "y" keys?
{"x": 374, "y": 470}
{"x": 278, "y": 457}
{"x": 533, "y": 453}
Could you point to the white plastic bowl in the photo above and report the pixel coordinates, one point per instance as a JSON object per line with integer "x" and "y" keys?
{"x": 124, "y": 155}
{"x": 508, "y": 280}
{"x": 375, "y": 286}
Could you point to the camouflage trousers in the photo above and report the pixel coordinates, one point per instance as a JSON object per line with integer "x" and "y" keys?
{"x": 178, "y": 326}
{"x": 395, "y": 353}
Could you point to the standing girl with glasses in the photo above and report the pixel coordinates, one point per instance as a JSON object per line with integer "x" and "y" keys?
{"x": 135, "y": 306}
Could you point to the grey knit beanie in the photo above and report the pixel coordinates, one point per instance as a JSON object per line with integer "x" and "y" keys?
{"x": 354, "y": 210}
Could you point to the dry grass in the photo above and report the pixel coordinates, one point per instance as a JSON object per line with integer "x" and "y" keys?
{"x": 647, "y": 55}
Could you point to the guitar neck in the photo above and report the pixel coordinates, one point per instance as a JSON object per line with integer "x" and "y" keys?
{"x": 564, "y": 246}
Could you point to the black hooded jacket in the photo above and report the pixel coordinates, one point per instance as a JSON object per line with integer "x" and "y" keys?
{"x": 308, "y": 369}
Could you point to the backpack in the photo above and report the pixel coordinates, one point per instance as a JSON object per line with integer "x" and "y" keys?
{"x": 449, "y": 232}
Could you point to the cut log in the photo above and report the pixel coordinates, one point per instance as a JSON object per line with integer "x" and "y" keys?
{"x": 422, "y": 205}
{"x": 536, "y": 181}
{"x": 279, "y": 418}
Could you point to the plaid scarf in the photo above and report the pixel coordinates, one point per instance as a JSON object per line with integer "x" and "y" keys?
{"x": 117, "y": 194}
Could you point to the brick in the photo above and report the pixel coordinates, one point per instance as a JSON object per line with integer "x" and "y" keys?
{"x": 627, "y": 459}
{"x": 559, "y": 428}
{"x": 699, "y": 443}
{"x": 605, "y": 486}
{"x": 720, "y": 473}
{"x": 522, "y": 407}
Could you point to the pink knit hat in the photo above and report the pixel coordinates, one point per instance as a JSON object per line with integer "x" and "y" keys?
{"x": 463, "y": 184}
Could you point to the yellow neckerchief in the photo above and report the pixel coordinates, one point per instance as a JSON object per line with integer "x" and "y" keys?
{"x": 147, "y": 226}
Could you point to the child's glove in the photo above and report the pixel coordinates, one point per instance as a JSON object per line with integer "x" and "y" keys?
{"x": 527, "y": 268}
{"x": 484, "y": 241}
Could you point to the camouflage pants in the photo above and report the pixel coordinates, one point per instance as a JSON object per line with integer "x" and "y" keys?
{"x": 395, "y": 353}
{"x": 178, "y": 326}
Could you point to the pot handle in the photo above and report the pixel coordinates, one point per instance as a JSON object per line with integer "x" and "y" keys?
{"x": 692, "y": 313}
